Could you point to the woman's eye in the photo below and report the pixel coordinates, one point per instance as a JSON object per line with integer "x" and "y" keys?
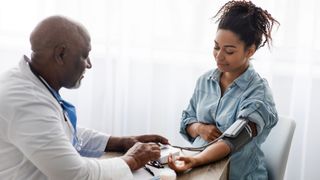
{"x": 216, "y": 48}
{"x": 229, "y": 52}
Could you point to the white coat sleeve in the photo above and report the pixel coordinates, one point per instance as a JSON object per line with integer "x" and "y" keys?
{"x": 93, "y": 142}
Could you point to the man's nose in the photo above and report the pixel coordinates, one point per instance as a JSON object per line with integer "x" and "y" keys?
{"x": 88, "y": 63}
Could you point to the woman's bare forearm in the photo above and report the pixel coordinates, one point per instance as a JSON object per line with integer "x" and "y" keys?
{"x": 215, "y": 152}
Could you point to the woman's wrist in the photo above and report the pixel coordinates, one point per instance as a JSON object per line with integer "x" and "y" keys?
{"x": 196, "y": 161}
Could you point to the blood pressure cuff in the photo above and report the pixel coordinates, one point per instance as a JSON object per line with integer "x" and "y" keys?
{"x": 237, "y": 142}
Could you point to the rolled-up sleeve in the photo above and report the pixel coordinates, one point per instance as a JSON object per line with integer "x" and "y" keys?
{"x": 93, "y": 142}
{"x": 262, "y": 113}
{"x": 186, "y": 120}
{"x": 189, "y": 116}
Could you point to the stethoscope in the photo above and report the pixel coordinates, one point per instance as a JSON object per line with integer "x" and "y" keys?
{"x": 77, "y": 142}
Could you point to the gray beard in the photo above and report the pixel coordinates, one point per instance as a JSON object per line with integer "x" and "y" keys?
{"x": 77, "y": 84}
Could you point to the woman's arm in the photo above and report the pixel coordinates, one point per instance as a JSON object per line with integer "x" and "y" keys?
{"x": 212, "y": 153}
{"x": 208, "y": 132}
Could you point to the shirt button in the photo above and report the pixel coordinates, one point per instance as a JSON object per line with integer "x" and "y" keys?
{"x": 257, "y": 105}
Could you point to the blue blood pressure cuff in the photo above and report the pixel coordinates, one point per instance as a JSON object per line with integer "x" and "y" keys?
{"x": 237, "y": 135}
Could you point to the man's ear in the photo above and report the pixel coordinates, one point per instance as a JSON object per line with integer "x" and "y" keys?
{"x": 59, "y": 53}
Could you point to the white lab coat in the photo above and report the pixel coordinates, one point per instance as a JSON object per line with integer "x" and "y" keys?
{"x": 35, "y": 138}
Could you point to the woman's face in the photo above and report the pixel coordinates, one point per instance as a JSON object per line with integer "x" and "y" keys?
{"x": 230, "y": 53}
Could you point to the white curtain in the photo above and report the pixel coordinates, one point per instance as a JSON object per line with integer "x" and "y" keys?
{"x": 147, "y": 55}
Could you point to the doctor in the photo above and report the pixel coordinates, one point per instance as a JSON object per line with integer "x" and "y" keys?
{"x": 39, "y": 138}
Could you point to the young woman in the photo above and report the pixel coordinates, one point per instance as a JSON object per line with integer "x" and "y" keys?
{"x": 233, "y": 91}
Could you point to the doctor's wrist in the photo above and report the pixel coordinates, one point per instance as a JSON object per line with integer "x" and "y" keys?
{"x": 131, "y": 162}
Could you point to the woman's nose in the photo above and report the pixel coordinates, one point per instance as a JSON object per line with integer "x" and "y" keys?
{"x": 219, "y": 55}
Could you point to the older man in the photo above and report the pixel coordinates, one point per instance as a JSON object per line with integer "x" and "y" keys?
{"x": 39, "y": 138}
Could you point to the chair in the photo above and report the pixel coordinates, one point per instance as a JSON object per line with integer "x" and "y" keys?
{"x": 277, "y": 147}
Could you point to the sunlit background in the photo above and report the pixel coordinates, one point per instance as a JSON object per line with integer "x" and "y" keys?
{"x": 147, "y": 55}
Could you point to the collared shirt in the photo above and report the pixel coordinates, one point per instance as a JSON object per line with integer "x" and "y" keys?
{"x": 36, "y": 141}
{"x": 250, "y": 97}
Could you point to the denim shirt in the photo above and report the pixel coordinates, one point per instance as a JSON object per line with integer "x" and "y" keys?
{"x": 248, "y": 96}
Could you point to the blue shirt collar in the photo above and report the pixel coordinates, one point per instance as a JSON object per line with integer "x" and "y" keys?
{"x": 242, "y": 81}
{"x": 215, "y": 75}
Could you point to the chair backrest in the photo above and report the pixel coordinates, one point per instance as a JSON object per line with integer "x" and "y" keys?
{"x": 277, "y": 147}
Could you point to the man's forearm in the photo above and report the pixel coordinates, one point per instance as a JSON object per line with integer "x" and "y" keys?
{"x": 115, "y": 144}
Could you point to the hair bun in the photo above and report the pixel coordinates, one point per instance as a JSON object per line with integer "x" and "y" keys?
{"x": 251, "y": 23}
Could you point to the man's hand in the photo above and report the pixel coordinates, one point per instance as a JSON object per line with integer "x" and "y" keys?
{"x": 208, "y": 132}
{"x": 140, "y": 154}
{"x": 128, "y": 142}
{"x": 122, "y": 144}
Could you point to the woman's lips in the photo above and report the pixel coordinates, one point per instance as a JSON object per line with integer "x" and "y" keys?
{"x": 221, "y": 64}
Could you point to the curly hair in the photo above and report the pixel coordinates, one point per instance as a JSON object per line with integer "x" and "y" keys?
{"x": 252, "y": 24}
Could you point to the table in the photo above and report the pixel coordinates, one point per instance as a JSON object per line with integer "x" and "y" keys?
{"x": 218, "y": 170}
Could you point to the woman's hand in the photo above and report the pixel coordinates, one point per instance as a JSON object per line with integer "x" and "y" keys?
{"x": 212, "y": 153}
{"x": 208, "y": 132}
{"x": 181, "y": 163}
